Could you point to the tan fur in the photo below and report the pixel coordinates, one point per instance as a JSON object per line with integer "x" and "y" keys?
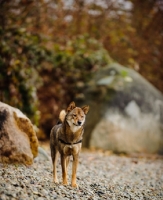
{"x": 64, "y": 139}
{"x": 62, "y": 115}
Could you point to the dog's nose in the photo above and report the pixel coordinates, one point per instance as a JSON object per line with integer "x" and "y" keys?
{"x": 79, "y": 122}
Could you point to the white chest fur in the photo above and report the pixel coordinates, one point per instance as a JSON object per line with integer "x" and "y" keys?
{"x": 73, "y": 127}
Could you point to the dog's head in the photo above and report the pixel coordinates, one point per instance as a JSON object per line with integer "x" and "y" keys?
{"x": 76, "y": 116}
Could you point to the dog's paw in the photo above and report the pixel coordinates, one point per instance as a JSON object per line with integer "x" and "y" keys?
{"x": 74, "y": 185}
{"x": 55, "y": 180}
{"x": 65, "y": 183}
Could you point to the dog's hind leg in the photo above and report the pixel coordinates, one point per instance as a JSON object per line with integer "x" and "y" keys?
{"x": 74, "y": 169}
{"x": 54, "y": 159}
{"x": 64, "y": 169}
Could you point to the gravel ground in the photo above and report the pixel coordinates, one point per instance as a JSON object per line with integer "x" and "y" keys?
{"x": 100, "y": 176}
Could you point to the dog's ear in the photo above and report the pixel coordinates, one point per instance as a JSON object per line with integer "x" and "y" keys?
{"x": 85, "y": 109}
{"x": 71, "y": 106}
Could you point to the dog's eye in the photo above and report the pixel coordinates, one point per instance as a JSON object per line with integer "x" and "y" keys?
{"x": 74, "y": 115}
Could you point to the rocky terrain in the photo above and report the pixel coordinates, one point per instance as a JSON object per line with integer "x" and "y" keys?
{"x": 101, "y": 175}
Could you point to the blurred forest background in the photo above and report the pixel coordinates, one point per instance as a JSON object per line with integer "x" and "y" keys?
{"x": 49, "y": 49}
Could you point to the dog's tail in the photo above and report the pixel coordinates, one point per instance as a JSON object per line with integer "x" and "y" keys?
{"x": 62, "y": 115}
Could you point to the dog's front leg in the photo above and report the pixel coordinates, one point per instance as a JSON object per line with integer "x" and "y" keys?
{"x": 64, "y": 169}
{"x": 74, "y": 169}
{"x": 54, "y": 159}
{"x": 67, "y": 162}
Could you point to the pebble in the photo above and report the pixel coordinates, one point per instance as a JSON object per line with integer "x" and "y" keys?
{"x": 99, "y": 176}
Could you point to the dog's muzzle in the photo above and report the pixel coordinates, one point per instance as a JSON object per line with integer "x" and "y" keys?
{"x": 78, "y": 124}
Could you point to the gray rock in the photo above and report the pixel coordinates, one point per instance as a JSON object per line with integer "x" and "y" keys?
{"x": 42, "y": 154}
{"x": 126, "y": 112}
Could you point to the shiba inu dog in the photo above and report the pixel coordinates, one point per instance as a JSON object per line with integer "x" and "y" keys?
{"x": 66, "y": 138}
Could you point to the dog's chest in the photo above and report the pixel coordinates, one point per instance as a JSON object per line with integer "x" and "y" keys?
{"x": 71, "y": 149}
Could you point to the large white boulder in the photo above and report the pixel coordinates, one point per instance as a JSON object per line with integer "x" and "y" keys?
{"x": 126, "y": 112}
